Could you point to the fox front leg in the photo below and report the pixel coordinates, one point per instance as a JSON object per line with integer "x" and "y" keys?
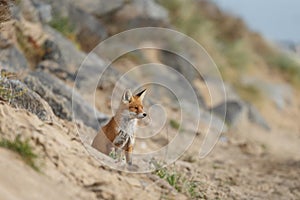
{"x": 128, "y": 154}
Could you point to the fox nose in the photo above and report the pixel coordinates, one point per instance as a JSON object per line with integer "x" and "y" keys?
{"x": 144, "y": 114}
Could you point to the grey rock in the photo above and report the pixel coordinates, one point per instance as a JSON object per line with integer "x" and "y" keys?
{"x": 20, "y": 96}
{"x": 62, "y": 98}
{"x": 142, "y": 21}
{"x": 219, "y": 90}
{"x": 56, "y": 69}
{"x": 184, "y": 68}
{"x": 89, "y": 31}
{"x": 60, "y": 106}
{"x": 98, "y": 8}
{"x": 280, "y": 94}
{"x": 69, "y": 53}
{"x": 12, "y": 59}
{"x": 87, "y": 73}
{"x": 151, "y": 9}
{"x": 135, "y": 14}
{"x": 52, "y": 52}
{"x": 256, "y": 118}
{"x": 45, "y": 12}
{"x": 231, "y": 111}
{"x": 146, "y": 8}
{"x": 4, "y": 42}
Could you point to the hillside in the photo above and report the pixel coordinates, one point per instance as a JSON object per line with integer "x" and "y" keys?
{"x": 226, "y": 129}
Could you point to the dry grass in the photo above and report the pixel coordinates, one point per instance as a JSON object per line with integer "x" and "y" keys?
{"x": 5, "y": 14}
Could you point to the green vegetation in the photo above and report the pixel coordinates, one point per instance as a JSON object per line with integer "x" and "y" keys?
{"x": 7, "y": 93}
{"x": 288, "y": 66}
{"x": 65, "y": 27}
{"x": 23, "y": 148}
{"x": 174, "y": 124}
{"x": 113, "y": 155}
{"x": 178, "y": 181}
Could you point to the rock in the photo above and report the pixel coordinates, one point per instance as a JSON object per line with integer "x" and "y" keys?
{"x": 4, "y": 42}
{"x": 214, "y": 121}
{"x": 45, "y": 12}
{"x": 52, "y": 52}
{"x": 56, "y": 69}
{"x": 142, "y": 21}
{"x": 29, "y": 12}
{"x": 137, "y": 13}
{"x": 229, "y": 110}
{"x": 185, "y": 69}
{"x": 146, "y": 8}
{"x": 69, "y": 52}
{"x": 280, "y": 94}
{"x": 255, "y": 117}
{"x": 11, "y": 58}
{"x": 234, "y": 111}
{"x": 89, "y": 31}
{"x": 86, "y": 76}
{"x": 216, "y": 91}
{"x": 150, "y": 9}
{"x": 60, "y": 106}
{"x": 20, "y": 96}
{"x": 98, "y": 8}
{"x": 62, "y": 97}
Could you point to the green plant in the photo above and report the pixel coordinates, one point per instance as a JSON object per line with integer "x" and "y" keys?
{"x": 178, "y": 180}
{"x": 174, "y": 124}
{"x": 65, "y": 27}
{"x": 286, "y": 65}
{"x": 6, "y": 92}
{"x": 23, "y": 148}
{"x": 113, "y": 155}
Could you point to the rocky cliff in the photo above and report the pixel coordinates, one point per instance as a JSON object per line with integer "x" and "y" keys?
{"x": 49, "y": 115}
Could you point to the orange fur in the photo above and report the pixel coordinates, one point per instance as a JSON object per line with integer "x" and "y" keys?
{"x": 119, "y": 132}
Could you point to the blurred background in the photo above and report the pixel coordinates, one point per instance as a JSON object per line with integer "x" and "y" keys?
{"x": 44, "y": 147}
{"x": 276, "y": 20}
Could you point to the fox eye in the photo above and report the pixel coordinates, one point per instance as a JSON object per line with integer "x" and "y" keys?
{"x": 136, "y": 107}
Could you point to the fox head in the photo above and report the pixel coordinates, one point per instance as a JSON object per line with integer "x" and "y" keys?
{"x": 134, "y": 104}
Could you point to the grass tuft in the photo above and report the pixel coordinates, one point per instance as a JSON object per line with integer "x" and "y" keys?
{"x": 174, "y": 124}
{"x": 178, "y": 181}
{"x": 23, "y": 148}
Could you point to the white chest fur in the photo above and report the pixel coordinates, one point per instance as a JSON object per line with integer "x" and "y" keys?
{"x": 126, "y": 129}
{"x": 128, "y": 126}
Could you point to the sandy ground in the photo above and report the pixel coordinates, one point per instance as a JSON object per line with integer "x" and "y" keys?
{"x": 247, "y": 163}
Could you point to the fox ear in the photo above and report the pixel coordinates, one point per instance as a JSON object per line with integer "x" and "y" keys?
{"x": 141, "y": 94}
{"x": 127, "y": 96}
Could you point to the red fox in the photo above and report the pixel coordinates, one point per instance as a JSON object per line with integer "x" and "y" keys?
{"x": 119, "y": 132}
